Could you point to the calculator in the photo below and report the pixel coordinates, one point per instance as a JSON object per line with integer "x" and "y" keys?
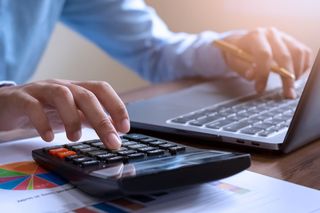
{"x": 143, "y": 164}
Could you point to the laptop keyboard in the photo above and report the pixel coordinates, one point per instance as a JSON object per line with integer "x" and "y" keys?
{"x": 263, "y": 116}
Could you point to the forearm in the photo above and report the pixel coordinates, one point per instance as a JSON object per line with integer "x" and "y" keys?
{"x": 185, "y": 55}
{"x": 133, "y": 33}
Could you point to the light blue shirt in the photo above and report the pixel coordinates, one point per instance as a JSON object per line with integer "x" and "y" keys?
{"x": 127, "y": 30}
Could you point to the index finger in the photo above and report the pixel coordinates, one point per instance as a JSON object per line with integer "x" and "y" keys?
{"x": 96, "y": 116}
{"x": 284, "y": 59}
{"x": 262, "y": 56}
{"x": 111, "y": 102}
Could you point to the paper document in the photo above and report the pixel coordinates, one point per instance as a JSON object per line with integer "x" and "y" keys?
{"x": 25, "y": 187}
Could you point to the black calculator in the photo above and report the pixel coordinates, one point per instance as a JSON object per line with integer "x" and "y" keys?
{"x": 143, "y": 164}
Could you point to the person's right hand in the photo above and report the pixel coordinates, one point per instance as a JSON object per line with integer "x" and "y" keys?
{"x": 269, "y": 46}
{"x": 41, "y": 104}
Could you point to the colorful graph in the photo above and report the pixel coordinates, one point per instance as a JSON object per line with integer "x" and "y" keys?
{"x": 27, "y": 175}
{"x": 141, "y": 202}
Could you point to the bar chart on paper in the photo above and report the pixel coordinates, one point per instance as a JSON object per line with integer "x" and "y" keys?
{"x": 27, "y": 175}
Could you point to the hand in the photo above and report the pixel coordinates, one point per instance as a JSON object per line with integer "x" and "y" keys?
{"x": 268, "y": 47}
{"x": 44, "y": 104}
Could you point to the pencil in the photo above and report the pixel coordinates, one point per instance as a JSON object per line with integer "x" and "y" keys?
{"x": 234, "y": 50}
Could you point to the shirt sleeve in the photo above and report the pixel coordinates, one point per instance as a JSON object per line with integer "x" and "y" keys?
{"x": 7, "y": 83}
{"x": 132, "y": 33}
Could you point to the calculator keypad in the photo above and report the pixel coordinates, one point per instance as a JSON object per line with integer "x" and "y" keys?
{"x": 134, "y": 147}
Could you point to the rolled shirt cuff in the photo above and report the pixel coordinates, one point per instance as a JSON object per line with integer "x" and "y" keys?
{"x": 7, "y": 83}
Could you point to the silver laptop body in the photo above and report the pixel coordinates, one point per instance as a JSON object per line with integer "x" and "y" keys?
{"x": 202, "y": 111}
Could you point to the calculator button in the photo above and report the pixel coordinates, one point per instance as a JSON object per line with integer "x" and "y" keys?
{"x": 135, "y": 137}
{"x": 89, "y": 149}
{"x": 89, "y": 163}
{"x": 115, "y": 159}
{"x": 176, "y": 149}
{"x": 62, "y": 155}
{"x": 137, "y": 146}
{"x": 135, "y": 156}
{"x": 105, "y": 156}
{"x": 96, "y": 153}
{"x": 101, "y": 146}
{"x": 156, "y": 143}
{"x": 148, "y": 140}
{"x": 70, "y": 145}
{"x": 167, "y": 145}
{"x": 82, "y": 146}
{"x": 81, "y": 159}
{"x": 124, "y": 140}
{"x": 46, "y": 149}
{"x": 155, "y": 152}
{"x": 121, "y": 149}
{"x": 117, "y": 150}
{"x": 127, "y": 152}
{"x": 71, "y": 157}
{"x": 129, "y": 143}
{"x": 54, "y": 152}
{"x": 146, "y": 149}
{"x": 97, "y": 144}
{"x": 92, "y": 141}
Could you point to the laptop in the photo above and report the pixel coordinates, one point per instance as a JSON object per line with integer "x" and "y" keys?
{"x": 228, "y": 110}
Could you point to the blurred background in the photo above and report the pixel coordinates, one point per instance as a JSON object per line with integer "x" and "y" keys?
{"x": 69, "y": 56}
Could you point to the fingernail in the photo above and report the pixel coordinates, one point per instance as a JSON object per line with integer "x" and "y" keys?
{"x": 114, "y": 141}
{"x": 48, "y": 136}
{"x": 249, "y": 74}
{"x": 77, "y": 135}
{"x": 293, "y": 93}
{"x": 259, "y": 89}
{"x": 125, "y": 125}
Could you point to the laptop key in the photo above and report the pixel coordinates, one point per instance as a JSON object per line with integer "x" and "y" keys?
{"x": 263, "y": 125}
{"x": 251, "y": 130}
{"x": 281, "y": 127}
{"x": 246, "y": 114}
{"x": 205, "y": 120}
{"x": 186, "y": 118}
{"x": 278, "y": 120}
{"x": 180, "y": 120}
{"x": 237, "y": 126}
{"x": 268, "y": 132}
{"x": 218, "y": 124}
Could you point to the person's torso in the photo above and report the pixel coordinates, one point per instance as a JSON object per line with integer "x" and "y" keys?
{"x": 25, "y": 28}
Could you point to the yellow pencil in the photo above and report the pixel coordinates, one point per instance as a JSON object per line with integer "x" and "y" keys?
{"x": 234, "y": 50}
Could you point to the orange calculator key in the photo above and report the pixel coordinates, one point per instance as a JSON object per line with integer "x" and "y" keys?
{"x": 62, "y": 155}
{"x": 55, "y": 151}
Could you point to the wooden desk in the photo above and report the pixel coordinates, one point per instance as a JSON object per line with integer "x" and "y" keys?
{"x": 301, "y": 167}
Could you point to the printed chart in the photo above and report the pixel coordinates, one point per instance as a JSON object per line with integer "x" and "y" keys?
{"x": 27, "y": 175}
